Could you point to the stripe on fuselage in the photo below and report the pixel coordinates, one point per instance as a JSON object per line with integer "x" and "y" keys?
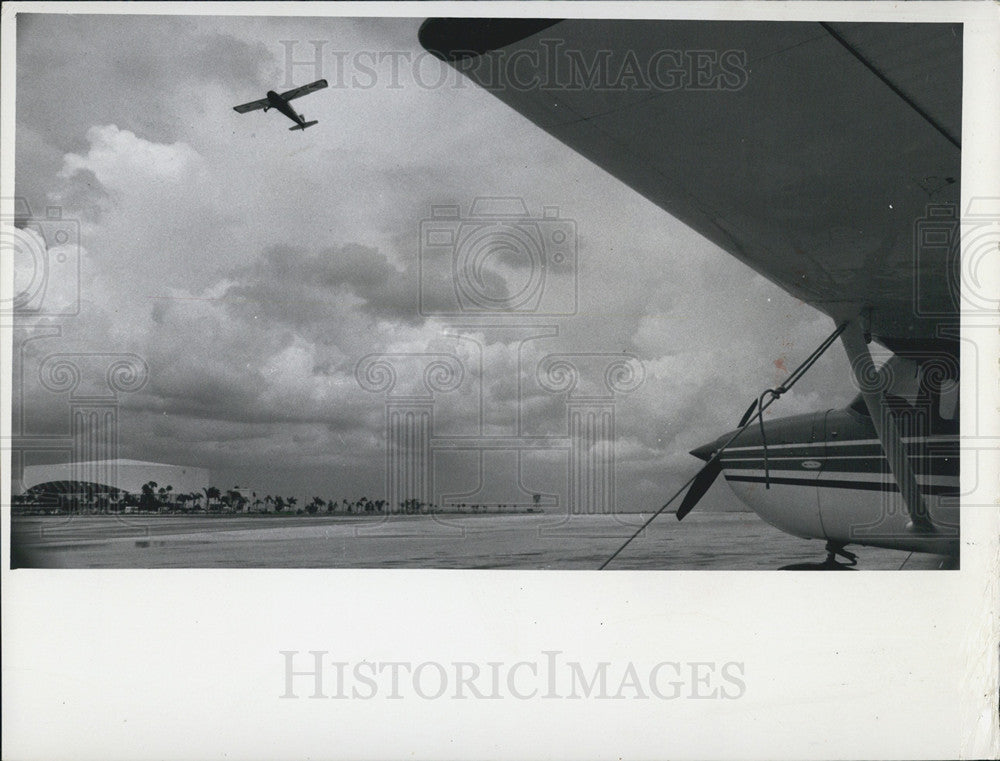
{"x": 852, "y": 485}
{"x": 858, "y": 465}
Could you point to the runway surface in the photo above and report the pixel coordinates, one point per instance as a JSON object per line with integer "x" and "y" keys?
{"x": 715, "y": 541}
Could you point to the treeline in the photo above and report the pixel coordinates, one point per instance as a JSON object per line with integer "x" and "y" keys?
{"x": 154, "y": 498}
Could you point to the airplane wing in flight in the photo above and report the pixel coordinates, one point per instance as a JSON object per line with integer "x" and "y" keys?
{"x": 812, "y": 152}
{"x": 254, "y": 105}
{"x": 298, "y": 92}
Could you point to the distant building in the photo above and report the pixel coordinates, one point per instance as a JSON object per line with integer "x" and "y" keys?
{"x": 108, "y": 479}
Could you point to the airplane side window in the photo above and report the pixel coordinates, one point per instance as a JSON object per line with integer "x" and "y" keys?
{"x": 902, "y": 389}
{"x": 906, "y": 392}
{"x": 948, "y": 400}
{"x": 904, "y": 384}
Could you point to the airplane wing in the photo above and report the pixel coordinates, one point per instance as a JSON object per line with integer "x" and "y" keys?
{"x": 298, "y": 92}
{"x": 818, "y": 154}
{"x": 251, "y": 106}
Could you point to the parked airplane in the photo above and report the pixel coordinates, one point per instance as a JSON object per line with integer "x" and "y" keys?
{"x": 826, "y": 157}
{"x": 279, "y": 101}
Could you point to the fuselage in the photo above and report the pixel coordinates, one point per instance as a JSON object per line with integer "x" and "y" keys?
{"x": 824, "y": 475}
{"x": 281, "y": 105}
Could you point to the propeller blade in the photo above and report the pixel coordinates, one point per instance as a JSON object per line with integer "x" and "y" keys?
{"x": 701, "y": 484}
{"x": 748, "y": 414}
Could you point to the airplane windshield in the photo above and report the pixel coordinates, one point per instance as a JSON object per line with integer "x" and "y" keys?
{"x": 930, "y": 385}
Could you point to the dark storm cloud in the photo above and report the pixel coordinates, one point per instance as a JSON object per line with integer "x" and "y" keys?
{"x": 185, "y": 388}
{"x": 84, "y": 194}
{"x": 300, "y": 288}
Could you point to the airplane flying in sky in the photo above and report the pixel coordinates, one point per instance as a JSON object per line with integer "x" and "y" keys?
{"x": 279, "y": 101}
{"x": 827, "y": 157}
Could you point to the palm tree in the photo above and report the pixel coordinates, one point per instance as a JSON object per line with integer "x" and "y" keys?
{"x": 163, "y": 495}
{"x": 235, "y": 498}
{"x": 268, "y": 502}
{"x": 148, "y": 499}
{"x": 211, "y": 493}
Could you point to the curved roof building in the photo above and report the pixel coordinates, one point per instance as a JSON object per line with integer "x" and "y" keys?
{"x": 123, "y": 475}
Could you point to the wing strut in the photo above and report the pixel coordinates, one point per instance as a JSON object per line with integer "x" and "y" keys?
{"x": 856, "y": 346}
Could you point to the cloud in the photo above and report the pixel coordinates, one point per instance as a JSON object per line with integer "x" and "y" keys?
{"x": 118, "y": 160}
{"x": 296, "y": 287}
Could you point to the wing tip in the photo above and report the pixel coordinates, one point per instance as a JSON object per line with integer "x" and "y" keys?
{"x": 453, "y": 39}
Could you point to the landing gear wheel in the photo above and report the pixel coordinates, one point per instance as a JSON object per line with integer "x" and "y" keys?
{"x": 830, "y": 564}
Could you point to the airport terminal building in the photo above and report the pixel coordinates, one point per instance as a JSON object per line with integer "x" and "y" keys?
{"x": 107, "y": 480}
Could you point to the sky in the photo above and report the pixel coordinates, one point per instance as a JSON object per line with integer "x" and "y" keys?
{"x": 259, "y": 273}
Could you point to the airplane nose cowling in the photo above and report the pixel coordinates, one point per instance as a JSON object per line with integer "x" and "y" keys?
{"x": 705, "y": 451}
